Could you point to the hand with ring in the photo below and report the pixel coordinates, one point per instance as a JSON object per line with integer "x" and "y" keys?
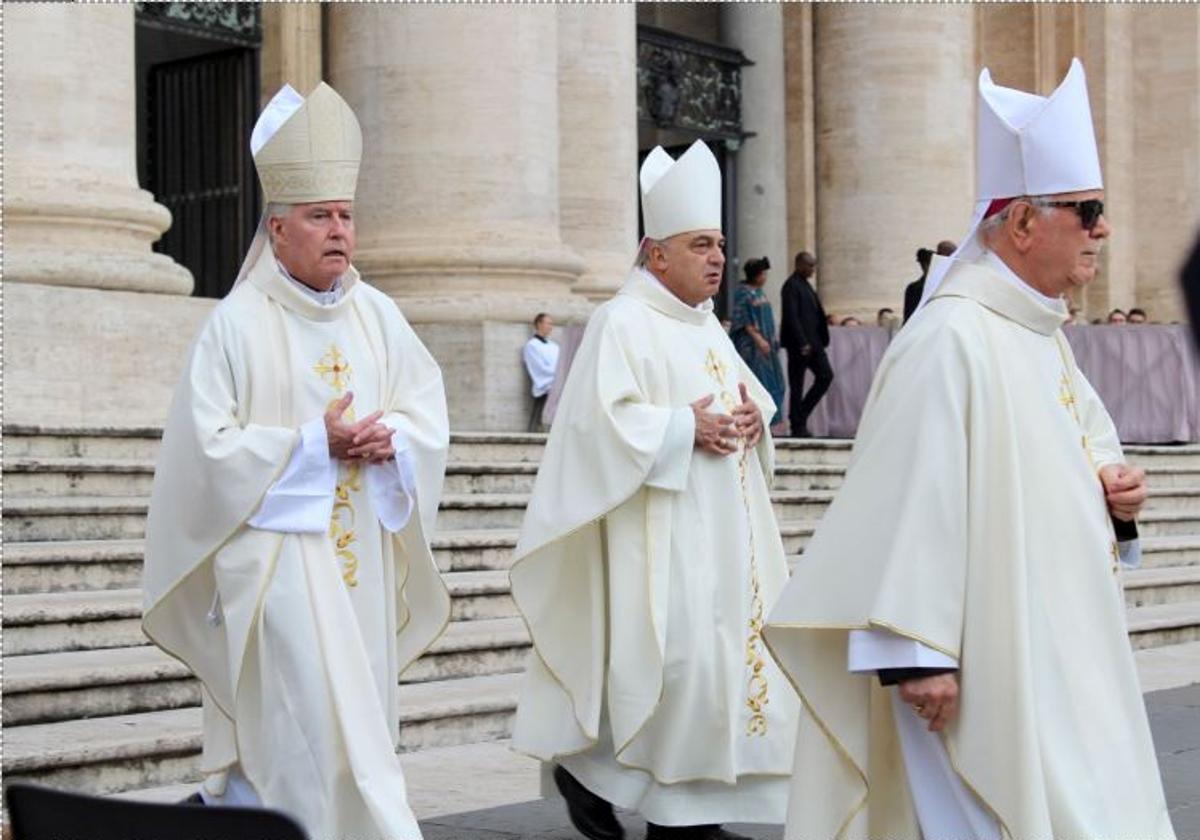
{"x": 934, "y": 699}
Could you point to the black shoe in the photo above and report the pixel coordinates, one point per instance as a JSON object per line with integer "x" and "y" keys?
{"x": 592, "y": 816}
{"x": 194, "y": 799}
{"x": 690, "y": 832}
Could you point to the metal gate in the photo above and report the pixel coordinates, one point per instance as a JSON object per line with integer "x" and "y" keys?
{"x": 200, "y": 114}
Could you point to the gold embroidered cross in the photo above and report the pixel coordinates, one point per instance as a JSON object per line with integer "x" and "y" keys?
{"x": 715, "y": 367}
{"x": 1067, "y": 398}
{"x": 334, "y": 368}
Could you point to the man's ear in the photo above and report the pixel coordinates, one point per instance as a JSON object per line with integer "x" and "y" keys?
{"x": 1021, "y": 226}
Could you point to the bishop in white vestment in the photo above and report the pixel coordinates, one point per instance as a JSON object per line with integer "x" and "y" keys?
{"x": 650, "y": 553}
{"x": 972, "y": 555}
{"x": 287, "y": 556}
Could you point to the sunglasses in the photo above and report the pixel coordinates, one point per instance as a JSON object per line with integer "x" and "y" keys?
{"x": 1090, "y": 210}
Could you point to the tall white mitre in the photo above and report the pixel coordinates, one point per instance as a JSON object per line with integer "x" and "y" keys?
{"x": 305, "y": 150}
{"x": 680, "y": 195}
{"x": 1027, "y": 145}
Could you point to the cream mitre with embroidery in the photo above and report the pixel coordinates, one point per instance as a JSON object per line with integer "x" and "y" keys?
{"x": 305, "y": 150}
{"x": 1027, "y": 145}
{"x": 680, "y": 195}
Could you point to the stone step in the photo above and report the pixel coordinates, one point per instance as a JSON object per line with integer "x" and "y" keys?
{"x": 84, "y": 565}
{"x": 1151, "y": 586}
{"x": 34, "y": 477}
{"x": 47, "y": 687}
{"x": 34, "y": 519}
{"x": 1160, "y": 625}
{"x": 489, "y": 477}
{"x": 1160, "y": 457}
{"x": 151, "y": 749}
{"x": 92, "y": 518}
{"x": 1173, "y": 498}
{"x": 48, "y": 622}
{"x": 1170, "y": 523}
{"x": 80, "y": 442}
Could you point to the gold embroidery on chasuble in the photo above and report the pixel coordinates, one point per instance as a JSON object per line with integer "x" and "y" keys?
{"x": 757, "y": 688}
{"x": 1066, "y": 396}
{"x": 335, "y": 370}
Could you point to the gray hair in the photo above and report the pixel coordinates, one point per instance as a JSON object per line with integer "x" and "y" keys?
{"x": 993, "y": 223}
{"x": 277, "y": 210}
{"x": 643, "y": 257}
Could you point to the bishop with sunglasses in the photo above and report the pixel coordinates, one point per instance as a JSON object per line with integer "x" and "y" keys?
{"x": 956, "y": 626}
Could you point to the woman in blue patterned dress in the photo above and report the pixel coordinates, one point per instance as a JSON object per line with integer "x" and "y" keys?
{"x": 753, "y": 332}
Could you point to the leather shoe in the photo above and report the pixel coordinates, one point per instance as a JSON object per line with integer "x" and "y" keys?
{"x": 194, "y": 799}
{"x": 592, "y": 816}
{"x": 690, "y": 832}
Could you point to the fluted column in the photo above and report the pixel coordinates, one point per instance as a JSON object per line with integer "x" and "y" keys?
{"x": 895, "y": 119}
{"x": 458, "y": 200}
{"x": 801, "y": 145}
{"x": 1167, "y": 170}
{"x": 73, "y": 212}
{"x": 597, "y": 123}
{"x": 291, "y": 48}
{"x": 762, "y": 167}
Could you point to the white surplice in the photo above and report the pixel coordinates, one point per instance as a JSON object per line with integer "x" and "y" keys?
{"x": 298, "y": 633}
{"x": 972, "y": 521}
{"x": 643, "y": 569}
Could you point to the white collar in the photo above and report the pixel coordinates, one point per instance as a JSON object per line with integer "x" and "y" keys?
{"x": 1001, "y": 268}
{"x": 326, "y": 298}
{"x": 663, "y": 286}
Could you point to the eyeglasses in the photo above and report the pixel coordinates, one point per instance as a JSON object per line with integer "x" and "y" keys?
{"x": 1090, "y": 210}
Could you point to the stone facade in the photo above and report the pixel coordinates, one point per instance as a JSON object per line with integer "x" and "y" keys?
{"x": 499, "y": 177}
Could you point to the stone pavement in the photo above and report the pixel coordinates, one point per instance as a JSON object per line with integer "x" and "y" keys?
{"x": 491, "y": 771}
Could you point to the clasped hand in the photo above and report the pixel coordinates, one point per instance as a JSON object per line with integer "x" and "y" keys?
{"x": 365, "y": 440}
{"x": 719, "y": 433}
{"x": 1124, "y": 490}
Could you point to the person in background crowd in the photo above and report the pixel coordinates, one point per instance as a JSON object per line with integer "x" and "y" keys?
{"x": 1076, "y": 314}
{"x": 851, "y": 321}
{"x": 913, "y": 291}
{"x": 1117, "y": 317}
{"x": 1137, "y": 316}
{"x": 753, "y": 332}
{"x": 541, "y": 361}
{"x": 804, "y": 332}
{"x": 885, "y": 317}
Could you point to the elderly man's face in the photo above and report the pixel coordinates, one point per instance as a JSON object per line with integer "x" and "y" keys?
{"x": 315, "y": 242}
{"x": 690, "y": 264}
{"x": 1063, "y": 253}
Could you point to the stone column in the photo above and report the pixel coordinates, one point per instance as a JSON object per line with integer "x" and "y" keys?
{"x": 895, "y": 120}
{"x": 801, "y": 146}
{"x": 291, "y": 48}
{"x": 73, "y": 212}
{"x": 96, "y": 325}
{"x": 458, "y": 200}
{"x": 597, "y": 141}
{"x": 1167, "y": 159}
{"x": 762, "y": 167}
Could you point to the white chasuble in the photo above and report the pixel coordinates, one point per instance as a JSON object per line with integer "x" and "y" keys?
{"x": 972, "y": 520}
{"x": 298, "y": 638}
{"x": 644, "y": 570}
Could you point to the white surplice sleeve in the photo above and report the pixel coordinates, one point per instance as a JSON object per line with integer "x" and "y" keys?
{"x": 872, "y": 650}
{"x": 670, "y": 469}
{"x": 301, "y": 500}
{"x": 392, "y": 485}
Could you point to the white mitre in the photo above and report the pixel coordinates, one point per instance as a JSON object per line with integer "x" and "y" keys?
{"x": 305, "y": 150}
{"x": 680, "y": 195}
{"x": 1027, "y": 145}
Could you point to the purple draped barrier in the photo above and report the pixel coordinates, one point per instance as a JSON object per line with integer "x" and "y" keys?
{"x": 569, "y": 338}
{"x": 1146, "y": 376}
{"x": 854, "y": 354}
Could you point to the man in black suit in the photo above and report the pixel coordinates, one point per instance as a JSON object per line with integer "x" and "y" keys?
{"x": 914, "y": 290}
{"x": 805, "y": 334}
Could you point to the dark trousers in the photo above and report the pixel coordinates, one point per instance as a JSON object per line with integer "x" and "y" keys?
{"x": 802, "y": 405}
{"x": 535, "y": 416}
